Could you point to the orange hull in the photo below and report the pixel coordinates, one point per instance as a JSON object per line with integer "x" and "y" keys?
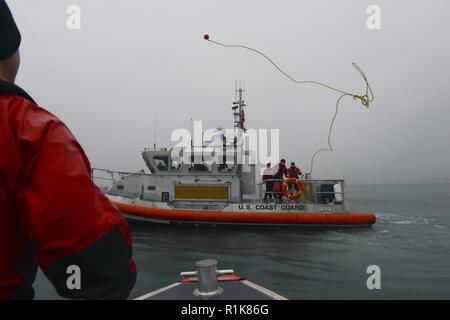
{"x": 317, "y": 219}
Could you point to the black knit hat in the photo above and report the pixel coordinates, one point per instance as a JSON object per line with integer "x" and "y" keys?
{"x": 9, "y": 33}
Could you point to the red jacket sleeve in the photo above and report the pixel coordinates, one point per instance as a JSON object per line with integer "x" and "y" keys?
{"x": 68, "y": 217}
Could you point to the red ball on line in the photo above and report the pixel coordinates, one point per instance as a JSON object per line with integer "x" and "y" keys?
{"x": 206, "y": 36}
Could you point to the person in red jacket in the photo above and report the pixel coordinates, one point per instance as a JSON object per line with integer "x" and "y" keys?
{"x": 51, "y": 213}
{"x": 293, "y": 171}
{"x": 281, "y": 169}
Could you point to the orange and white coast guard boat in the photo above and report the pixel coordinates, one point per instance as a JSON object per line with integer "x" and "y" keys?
{"x": 225, "y": 193}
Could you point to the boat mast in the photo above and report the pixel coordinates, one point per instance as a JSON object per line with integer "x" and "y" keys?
{"x": 239, "y": 121}
{"x": 238, "y": 111}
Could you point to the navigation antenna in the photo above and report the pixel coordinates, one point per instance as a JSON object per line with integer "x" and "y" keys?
{"x": 238, "y": 111}
{"x": 154, "y": 137}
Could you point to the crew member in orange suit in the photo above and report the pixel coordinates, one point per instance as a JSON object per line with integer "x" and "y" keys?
{"x": 51, "y": 213}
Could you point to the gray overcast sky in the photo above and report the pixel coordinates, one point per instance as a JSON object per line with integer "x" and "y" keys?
{"x": 133, "y": 59}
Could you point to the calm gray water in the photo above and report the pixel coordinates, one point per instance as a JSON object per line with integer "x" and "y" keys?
{"x": 410, "y": 243}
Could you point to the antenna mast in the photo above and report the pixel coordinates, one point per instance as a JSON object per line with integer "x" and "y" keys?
{"x": 238, "y": 111}
{"x": 154, "y": 138}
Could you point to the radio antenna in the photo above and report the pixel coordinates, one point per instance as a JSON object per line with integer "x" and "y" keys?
{"x": 154, "y": 138}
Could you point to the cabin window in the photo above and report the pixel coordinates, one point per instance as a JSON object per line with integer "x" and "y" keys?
{"x": 120, "y": 187}
{"x": 200, "y": 167}
{"x": 162, "y": 162}
{"x": 151, "y": 188}
{"x": 164, "y": 196}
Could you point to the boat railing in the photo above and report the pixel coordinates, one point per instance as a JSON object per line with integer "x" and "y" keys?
{"x": 312, "y": 190}
{"x": 99, "y": 175}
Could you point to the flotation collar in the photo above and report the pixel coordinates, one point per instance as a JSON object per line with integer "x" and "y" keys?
{"x": 285, "y": 188}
